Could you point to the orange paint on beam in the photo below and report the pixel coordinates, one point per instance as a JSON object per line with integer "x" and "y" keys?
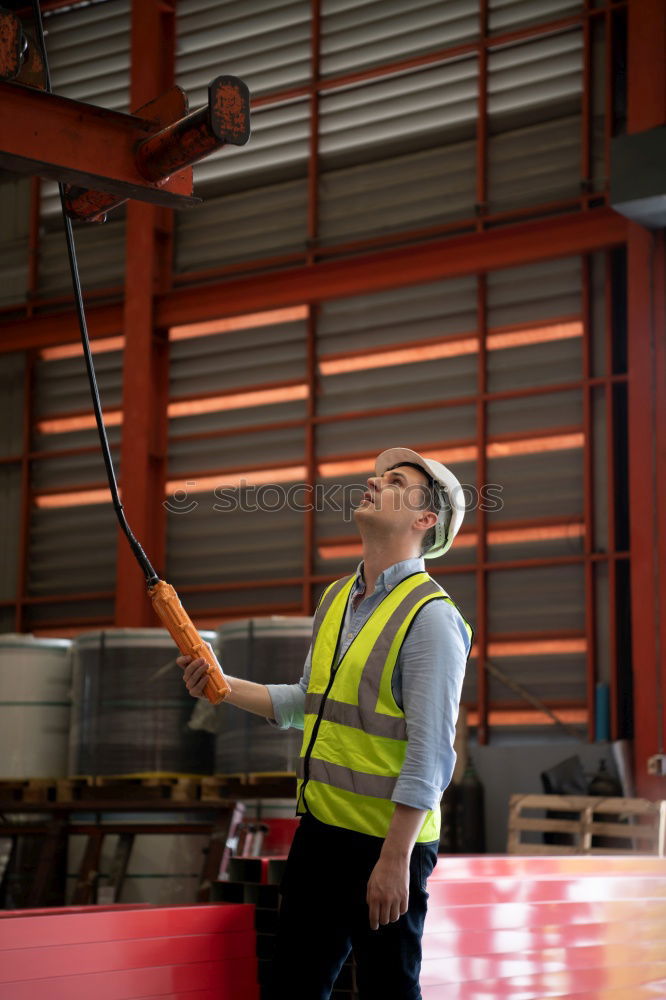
{"x": 533, "y": 335}
{"x": 100, "y": 346}
{"x": 253, "y": 477}
{"x": 530, "y": 446}
{"x": 247, "y": 322}
{"x": 527, "y": 717}
{"x": 82, "y": 422}
{"x": 450, "y": 348}
{"x": 399, "y": 356}
{"x": 78, "y": 498}
{"x": 536, "y": 647}
{"x": 237, "y": 400}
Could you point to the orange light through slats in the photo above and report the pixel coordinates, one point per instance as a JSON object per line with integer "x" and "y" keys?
{"x": 528, "y": 717}
{"x": 468, "y": 539}
{"x": 400, "y": 356}
{"x": 536, "y": 647}
{"x": 246, "y": 322}
{"x": 505, "y": 536}
{"x": 350, "y": 551}
{"x": 534, "y": 335}
{"x": 530, "y": 446}
{"x": 253, "y": 477}
{"x": 101, "y": 346}
{"x": 237, "y": 400}
{"x": 84, "y": 422}
{"x": 78, "y": 498}
{"x": 347, "y": 467}
{"x": 450, "y": 348}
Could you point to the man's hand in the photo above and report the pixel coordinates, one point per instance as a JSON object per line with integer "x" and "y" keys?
{"x": 195, "y": 675}
{"x": 388, "y": 890}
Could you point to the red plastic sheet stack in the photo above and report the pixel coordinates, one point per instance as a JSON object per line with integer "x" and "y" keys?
{"x": 527, "y": 928}
{"x": 204, "y": 952}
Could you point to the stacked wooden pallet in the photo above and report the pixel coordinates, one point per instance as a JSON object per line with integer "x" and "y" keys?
{"x": 585, "y": 928}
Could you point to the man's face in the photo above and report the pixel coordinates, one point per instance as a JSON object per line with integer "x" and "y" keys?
{"x": 394, "y": 502}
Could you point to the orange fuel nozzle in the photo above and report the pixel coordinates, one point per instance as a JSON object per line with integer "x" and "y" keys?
{"x": 176, "y": 619}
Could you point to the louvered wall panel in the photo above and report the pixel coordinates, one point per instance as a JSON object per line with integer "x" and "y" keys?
{"x": 61, "y": 386}
{"x": 14, "y": 249}
{"x": 536, "y": 599}
{"x": 507, "y": 15}
{"x": 357, "y": 34}
{"x": 544, "y": 485}
{"x": 12, "y": 371}
{"x": 552, "y": 679}
{"x": 534, "y": 106}
{"x": 534, "y": 293}
{"x": 232, "y": 361}
{"x": 10, "y": 503}
{"x": 524, "y": 414}
{"x": 264, "y": 42}
{"x": 261, "y": 222}
{"x": 89, "y": 53}
{"x": 72, "y": 550}
{"x": 399, "y": 317}
{"x": 404, "y": 192}
{"x": 208, "y": 546}
{"x": 89, "y": 57}
{"x": 100, "y": 250}
{"x": 373, "y": 434}
{"x": 255, "y": 195}
{"x": 238, "y": 451}
{"x": 398, "y": 153}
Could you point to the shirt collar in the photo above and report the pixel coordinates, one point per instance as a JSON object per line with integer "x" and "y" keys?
{"x": 392, "y": 575}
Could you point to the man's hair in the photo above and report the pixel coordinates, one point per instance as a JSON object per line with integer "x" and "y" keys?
{"x": 435, "y": 498}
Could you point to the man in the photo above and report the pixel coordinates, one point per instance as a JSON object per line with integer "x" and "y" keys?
{"x": 378, "y": 703}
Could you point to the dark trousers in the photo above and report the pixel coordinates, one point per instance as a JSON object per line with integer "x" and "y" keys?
{"x": 324, "y": 915}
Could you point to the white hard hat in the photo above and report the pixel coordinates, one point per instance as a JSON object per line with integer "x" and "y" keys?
{"x": 443, "y": 477}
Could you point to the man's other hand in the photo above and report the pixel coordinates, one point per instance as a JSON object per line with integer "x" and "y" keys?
{"x": 388, "y": 892}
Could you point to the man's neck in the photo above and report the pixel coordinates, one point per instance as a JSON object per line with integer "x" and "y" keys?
{"x": 377, "y": 558}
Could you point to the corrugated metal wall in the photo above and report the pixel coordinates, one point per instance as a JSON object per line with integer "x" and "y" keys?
{"x": 72, "y": 549}
{"x": 88, "y": 49}
{"x": 14, "y": 238}
{"x": 12, "y": 369}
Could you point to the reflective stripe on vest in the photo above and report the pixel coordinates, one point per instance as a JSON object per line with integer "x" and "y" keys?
{"x": 355, "y": 736}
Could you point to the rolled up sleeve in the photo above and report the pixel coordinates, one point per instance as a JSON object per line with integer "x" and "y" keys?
{"x": 432, "y": 668}
{"x": 289, "y": 700}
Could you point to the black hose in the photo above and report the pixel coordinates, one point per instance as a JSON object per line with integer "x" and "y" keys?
{"x": 142, "y": 558}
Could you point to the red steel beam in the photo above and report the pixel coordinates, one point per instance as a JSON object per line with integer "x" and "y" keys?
{"x": 146, "y": 354}
{"x": 646, "y": 80}
{"x": 579, "y": 232}
{"x": 80, "y": 144}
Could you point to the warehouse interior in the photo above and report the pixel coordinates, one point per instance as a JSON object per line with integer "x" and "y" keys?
{"x": 443, "y": 230}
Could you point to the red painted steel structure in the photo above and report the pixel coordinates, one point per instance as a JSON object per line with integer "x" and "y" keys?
{"x": 647, "y": 406}
{"x": 146, "y": 355}
{"x": 477, "y": 246}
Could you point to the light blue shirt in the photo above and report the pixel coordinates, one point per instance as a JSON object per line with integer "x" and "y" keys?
{"x": 426, "y": 684}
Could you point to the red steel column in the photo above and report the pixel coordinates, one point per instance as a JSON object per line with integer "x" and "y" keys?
{"x": 145, "y": 373}
{"x": 647, "y": 408}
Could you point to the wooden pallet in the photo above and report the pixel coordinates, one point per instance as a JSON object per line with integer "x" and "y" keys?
{"x": 177, "y": 787}
{"x": 28, "y": 789}
{"x": 596, "y": 826}
{"x": 252, "y": 785}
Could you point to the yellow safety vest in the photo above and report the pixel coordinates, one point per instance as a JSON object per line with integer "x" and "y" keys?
{"x": 354, "y": 733}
